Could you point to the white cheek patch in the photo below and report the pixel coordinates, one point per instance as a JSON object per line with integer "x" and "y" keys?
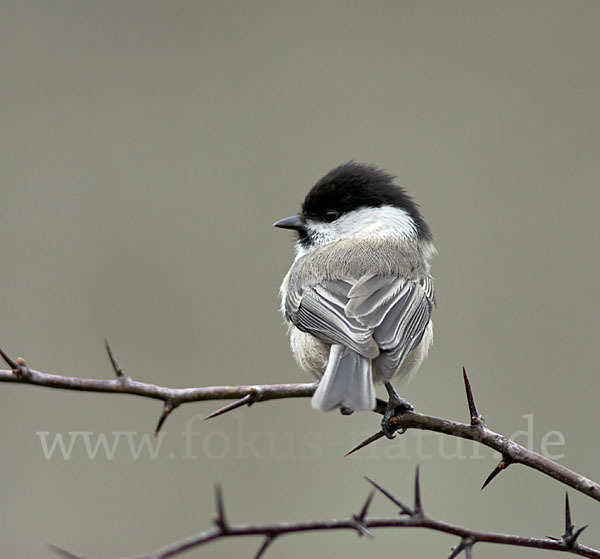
{"x": 385, "y": 221}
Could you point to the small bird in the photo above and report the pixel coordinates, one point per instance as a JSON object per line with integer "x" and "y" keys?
{"x": 358, "y": 295}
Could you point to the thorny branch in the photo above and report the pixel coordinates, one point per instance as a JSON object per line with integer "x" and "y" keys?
{"x": 476, "y": 430}
{"x": 362, "y": 524}
{"x": 171, "y": 397}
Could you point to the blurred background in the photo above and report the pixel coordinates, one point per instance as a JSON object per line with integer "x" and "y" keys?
{"x": 147, "y": 147}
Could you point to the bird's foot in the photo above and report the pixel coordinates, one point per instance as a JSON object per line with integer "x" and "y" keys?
{"x": 396, "y": 405}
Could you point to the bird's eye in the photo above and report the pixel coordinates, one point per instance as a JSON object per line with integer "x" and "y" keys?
{"x": 330, "y": 215}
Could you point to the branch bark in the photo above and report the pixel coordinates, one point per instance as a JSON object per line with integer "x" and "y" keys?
{"x": 411, "y": 517}
{"x": 172, "y": 398}
{"x": 476, "y": 430}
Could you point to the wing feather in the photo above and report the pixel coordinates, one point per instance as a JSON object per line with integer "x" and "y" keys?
{"x": 383, "y": 317}
{"x": 402, "y": 330}
{"x": 320, "y": 310}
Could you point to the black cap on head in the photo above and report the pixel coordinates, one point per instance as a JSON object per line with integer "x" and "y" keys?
{"x": 355, "y": 185}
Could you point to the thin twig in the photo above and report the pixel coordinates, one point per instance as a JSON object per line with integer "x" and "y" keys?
{"x": 416, "y": 519}
{"x": 173, "y": 397}
{"x": 512, "y": 453}
{"x": 263, "y": 392}
{"x": 279, "y": 529}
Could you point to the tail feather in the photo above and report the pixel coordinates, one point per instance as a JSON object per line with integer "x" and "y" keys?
{"x": 347, "y": 381}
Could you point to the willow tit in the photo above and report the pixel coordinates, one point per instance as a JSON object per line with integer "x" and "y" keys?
{"x": 358, "y": 295}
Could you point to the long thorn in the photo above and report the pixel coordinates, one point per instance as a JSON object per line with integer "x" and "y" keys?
{"x": 578, "y": 533}
{"x": 167, "y": 409}
{"x": 570, "y": 537}
{"x": 266, "y": 543}
{"x": 456, "y": 551}
{"x": 476, "y": 419}
{"x": 403, "y": 508}
{"x": 418, "y": 505}
{"x": 12, "y": 364}
{"x": 568, "y": 525}
{"x": 63, "y": 552}
{"x": 116, "y": 368}
{"x": 220, "y": 519}
{"x": 362, "y": 515}
{"x": 247, "y": 399}
{"x": 366, "y": 442}
{"x": 359, "y": 519}
{"x": 502, "y": 465}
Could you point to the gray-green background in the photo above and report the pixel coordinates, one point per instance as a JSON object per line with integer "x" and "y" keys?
{"x": 146, "y": 149}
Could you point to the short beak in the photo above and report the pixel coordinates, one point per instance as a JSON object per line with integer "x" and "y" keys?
{"x": 294, "y": 222}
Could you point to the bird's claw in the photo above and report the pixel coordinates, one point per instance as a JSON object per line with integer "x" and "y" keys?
{"x": 396, "y": 406}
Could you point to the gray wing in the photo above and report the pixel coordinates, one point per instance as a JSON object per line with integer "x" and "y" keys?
{"x": 321, "y": 310}
{"x": 399, "y": 312}
{"x": 376, "y": 316}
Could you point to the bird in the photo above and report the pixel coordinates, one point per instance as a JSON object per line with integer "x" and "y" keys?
{"x": 358, "y": 296}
